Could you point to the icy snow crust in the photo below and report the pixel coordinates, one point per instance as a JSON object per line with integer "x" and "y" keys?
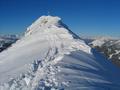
{"x": 51, "y": 57}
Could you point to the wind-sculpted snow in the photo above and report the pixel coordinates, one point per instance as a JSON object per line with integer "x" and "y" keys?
{"x": 51, "y": 57}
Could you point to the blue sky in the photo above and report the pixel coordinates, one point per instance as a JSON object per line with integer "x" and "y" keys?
{"x": 86, "y": 17}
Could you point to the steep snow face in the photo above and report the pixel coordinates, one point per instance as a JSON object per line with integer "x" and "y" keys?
{"x": 51, "y": 57}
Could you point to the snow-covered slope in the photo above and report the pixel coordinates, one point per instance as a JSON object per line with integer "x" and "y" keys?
{"x": 51, "y": 57}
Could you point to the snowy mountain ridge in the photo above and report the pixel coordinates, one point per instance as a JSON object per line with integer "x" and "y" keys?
{"x": 51, "y": 57}
{"x": 45, "y": 39}
{"x": 52, "y": 27}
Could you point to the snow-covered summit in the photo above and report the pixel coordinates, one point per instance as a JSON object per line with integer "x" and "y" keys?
{"x": 45, "y": 22}
{"x": 51, "y": 28}
{"x": 51, "y": 57}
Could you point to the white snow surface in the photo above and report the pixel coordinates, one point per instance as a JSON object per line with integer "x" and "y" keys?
{"x": 51, "y": 57}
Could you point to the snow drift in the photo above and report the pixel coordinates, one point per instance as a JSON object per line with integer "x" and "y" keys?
{"x": 51, "y": 57}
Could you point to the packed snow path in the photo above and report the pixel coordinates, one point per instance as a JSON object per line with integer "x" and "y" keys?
{"x": 51, "y": 57}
